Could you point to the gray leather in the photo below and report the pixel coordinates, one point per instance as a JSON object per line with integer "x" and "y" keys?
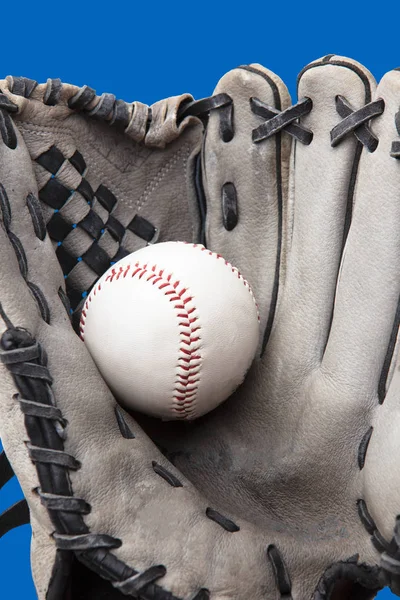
{"x": 280, "y": 460}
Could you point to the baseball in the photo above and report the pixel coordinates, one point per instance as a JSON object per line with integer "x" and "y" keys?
{"x": 173, "y": 329}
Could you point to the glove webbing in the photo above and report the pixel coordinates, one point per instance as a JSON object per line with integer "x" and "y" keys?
{"x": 56, "y": 195}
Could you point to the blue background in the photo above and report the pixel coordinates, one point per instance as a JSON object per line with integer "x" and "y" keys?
{"x": 153, "y": 50}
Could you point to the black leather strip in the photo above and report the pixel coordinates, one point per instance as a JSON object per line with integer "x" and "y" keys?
{"x": 395, "y": 150}
{"x": 365, "y": 517}
{"x": 104, "y": 107}
{"x": 53, "y": 91}
{"x": 116, "y": 229}
{"x": 64, "y": 503}
{"x": 5, "y": 208}
{"x": 230, "y": 211}
{"x": 149, "y": 119}
{"x": 354, "y": 121}
{"x": 19, "y": 355}
{"x": 142, "y": 228}
{"x": 82, "y": 98}
{"x": 13, "y": 517}
{"x": 123, "y": 425}
{"x": 281, "y": 573}
{"x": 6, "y": 472}
{"x": 65, "y": 300}
{"x": 363, "y": 447}
{"x": 44, "y": 411}
{"x": 379, "y": 542}
{"x": 78, "y": 162}
{"x": 281, "y": 120}
{"x": 54, "y": 457}
{"x": 389, "y": 356}
{"x": 97, "y": 259}
{"x": 58, "y": 228}
{"x": 136, "y": 583}
{"x": 31, "y": 370}
{"x": 20, "y": 254}
{"x": 85, "y": 189}
{"x": 66, "y": 260}
{"x": 86, "y": 541}
{"x": 36, "y": 213}
{"x": 201, "y": 198}
{"x": 92, "y": 224}
{"x": 226, "y": 523}
{"x": 167, "y": 475}
{"x": 54, "y": 194}
{"x": 397, "y": 121}
{"x": 22, "y": 86}
{"x": 6, "y": 104}
{"x": 297, "y": 131}
{"x": 200, "y": 108}
{"x": 226, "y": 124}
{"x": 121, "y": 115}
{"x": 106, "y": 198}
{"x": 40, "y": 300}
{"x": 51, "y": 160}
{"x": 7, "y": 130}
{"x": 76, "y": 301}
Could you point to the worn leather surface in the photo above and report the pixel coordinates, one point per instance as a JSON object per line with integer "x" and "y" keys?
{"x": 281, "y": 458}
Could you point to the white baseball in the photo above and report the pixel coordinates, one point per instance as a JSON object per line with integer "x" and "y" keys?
{"x": 173, "y": 329}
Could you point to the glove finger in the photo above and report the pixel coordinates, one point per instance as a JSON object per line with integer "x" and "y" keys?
{"x": 245, "y": 181}
{"x": 322, "y": 187}
{"x": 112, "y": 176}
{"x": 365, "y": 324}
{"x": 367, "y": 315}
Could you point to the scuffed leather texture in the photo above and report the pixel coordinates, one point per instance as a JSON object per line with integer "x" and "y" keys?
{"x": 289, "y": 489}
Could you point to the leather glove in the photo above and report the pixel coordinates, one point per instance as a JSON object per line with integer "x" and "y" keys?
{"x": 288, "y": 489}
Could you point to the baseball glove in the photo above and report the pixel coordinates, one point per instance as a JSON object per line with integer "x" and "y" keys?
{"x": 289, "y": 490}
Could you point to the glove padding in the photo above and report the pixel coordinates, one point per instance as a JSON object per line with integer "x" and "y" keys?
{"x": 290, "y": 488}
